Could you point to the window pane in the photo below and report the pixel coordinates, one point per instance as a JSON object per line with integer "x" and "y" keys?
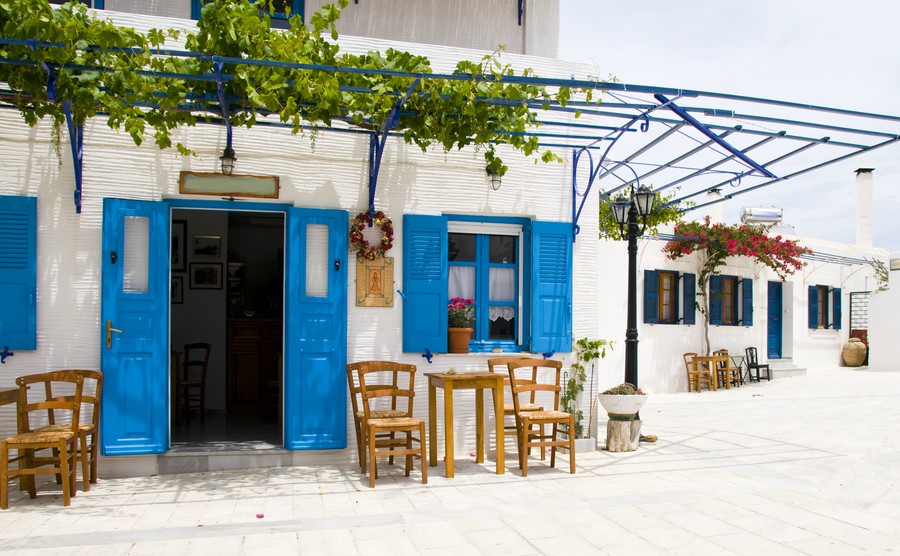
{"x": 503, "y": 284}
{"x": 461, "y": 282}
{"x": 666, "y": 299}
{"x": 503, "y": 249}
{"x": 461, "y": 247}
{"x": 503, "y": 323}
{"x": 728, "y": 287}
{"x": 316, "y": 260}
{"x": 136, "y": 259}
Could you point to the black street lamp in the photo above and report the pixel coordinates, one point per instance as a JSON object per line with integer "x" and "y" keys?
{"x": 626, "y": 213}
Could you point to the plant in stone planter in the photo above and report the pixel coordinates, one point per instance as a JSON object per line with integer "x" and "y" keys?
{"x": 622, "y": 403}
{"x": 584, "y": 351}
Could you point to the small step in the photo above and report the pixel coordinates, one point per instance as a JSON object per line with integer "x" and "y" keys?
{"x": 785, "y": 368}
{"x": 186, "y": 458}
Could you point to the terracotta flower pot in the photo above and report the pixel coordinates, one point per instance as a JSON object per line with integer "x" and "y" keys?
{"x": 458, "y": 339}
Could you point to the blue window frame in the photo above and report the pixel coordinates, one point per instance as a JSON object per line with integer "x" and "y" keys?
{"x": 18, "y": 272}
{"x": 279, "y": 17}
{"x": 527, "y": 307}
{"x": 824, "y": 304}
{"x": 662, "y": 302}
{"x": 730, "y": 301}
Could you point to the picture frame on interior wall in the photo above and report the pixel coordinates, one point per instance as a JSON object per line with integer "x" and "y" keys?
{"x": 206, "y": 276}
{"x": 179, "y": 245}
{"x": 206, "y": 248}
{"x": 177, "y": 289}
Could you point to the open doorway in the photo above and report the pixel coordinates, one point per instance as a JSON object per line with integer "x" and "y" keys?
{"x": 228, "y": 291}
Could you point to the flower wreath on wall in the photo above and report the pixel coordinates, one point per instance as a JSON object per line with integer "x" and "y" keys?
{"x": 359, "y": 244}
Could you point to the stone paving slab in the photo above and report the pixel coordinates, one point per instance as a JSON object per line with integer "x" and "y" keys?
{"x": 804, "y": 465}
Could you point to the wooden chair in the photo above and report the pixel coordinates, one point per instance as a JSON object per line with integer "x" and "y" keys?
{"x": 754, "y": 365}
{"x": 728, "y": 373}
{"x": 375, "y": 426}
{"x": 88, "y": 426}
{"x": 509, "y": 408}
{"x": 389, "y": 377}
{"x": 527, "y": 435}
{"x": 190, "y": 385}
{"x": 696, "y": 374}
{"x": 30, "y": 440}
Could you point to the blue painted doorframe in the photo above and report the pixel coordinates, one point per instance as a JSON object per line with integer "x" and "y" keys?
{"x": 136, "y": 405}
{"x": 774, "y": 331}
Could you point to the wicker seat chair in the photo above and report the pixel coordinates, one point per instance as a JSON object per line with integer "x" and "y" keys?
{"x": 388, "y": 377}
{"x": 728, "y": 373}
{"x": 509, "y": 409}
{"x": 696, "y": 375}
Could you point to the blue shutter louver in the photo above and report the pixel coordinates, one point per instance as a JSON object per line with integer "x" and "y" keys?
{"x": 813, "y": 305}
{"x": 424, "y": 283}
{"x": 551, "y": 283}
{"x": 715, "y": 300}
{"x": 690, "y": 298}
{"x": 747, "y": 301}
{"x": 18, "y": 272}
{"x": 651, "y": 297}
{"x": 836, "y": 308}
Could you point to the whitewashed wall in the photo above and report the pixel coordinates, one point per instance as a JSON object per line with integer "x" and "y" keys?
{"x": 884, "y": 306}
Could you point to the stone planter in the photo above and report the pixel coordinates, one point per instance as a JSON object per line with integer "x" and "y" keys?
{"x": 458, "y": 339}
{"x": 623, "y": 431}
{"x": 585, "y": 445}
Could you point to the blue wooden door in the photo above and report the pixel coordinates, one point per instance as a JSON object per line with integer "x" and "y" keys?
{"x": 774, "y": 327}
{"x": 315, "y": 335}
{"x": 134, "y": 327}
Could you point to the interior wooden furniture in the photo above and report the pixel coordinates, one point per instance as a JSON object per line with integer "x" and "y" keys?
{"x": 753, "y": 364}
{"x": 547, "y": 379}
{"x": 191, "y": 383}
{"x": 725, "y": 371}
{"x": 374, "y": 426}
{"x": 509, "y": 409}
{"x": 30, "y": 440}
{"x": 89, "y": 423}
{"x": 252, "y": 375}
{"x": 388, "y": 378}
{"x": 696, "y": 375}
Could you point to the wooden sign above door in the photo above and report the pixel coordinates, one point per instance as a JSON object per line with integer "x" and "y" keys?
{"x": 222, "y": 185}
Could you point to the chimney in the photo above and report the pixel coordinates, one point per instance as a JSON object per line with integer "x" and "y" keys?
{"x": 714, "y": 211}
{"x": 864, "y": 207}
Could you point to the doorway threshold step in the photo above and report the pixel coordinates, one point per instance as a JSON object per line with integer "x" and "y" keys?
{"x": 200, "y": 458}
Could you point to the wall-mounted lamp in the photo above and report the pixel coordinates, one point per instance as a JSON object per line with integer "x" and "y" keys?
{"x": 228, "y": 160}
{"x": 495, "y": 179}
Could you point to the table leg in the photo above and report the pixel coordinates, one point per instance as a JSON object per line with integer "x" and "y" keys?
{"x": 498, "y": 417}
{"x": 448, "y": 429}
{"x": 479, "y": 425}
{"x": 432, "y": 424}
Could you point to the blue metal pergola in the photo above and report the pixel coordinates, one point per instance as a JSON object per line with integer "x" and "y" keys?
{"x": 696, "y": 141}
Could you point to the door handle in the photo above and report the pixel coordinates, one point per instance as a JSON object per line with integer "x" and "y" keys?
{"x": 109, "y": 331}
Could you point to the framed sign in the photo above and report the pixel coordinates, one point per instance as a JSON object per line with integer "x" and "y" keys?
{"x": 179, "y": 245}
{"x": 206, "y": 276}
{"x": 206, "y": 248}
{"x": 224, "y": 185}
{"x": 375, "y": 282}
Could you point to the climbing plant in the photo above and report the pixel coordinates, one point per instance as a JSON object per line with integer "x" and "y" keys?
{"x": 663, "y": 213}
{"x": 101, "y": 68}
{"x": 716, "y": 242}
{"x": 584, "y": 351}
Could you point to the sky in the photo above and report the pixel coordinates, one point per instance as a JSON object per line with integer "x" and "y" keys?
{"x": 825, "y": 52}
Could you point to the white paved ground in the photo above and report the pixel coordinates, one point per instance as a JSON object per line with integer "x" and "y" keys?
{"x": 805, "y": 465}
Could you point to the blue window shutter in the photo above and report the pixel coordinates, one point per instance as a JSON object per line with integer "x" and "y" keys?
{"x": 813, "y": 304}
{"x": 424, "y": 283}
{"x": 747, "y": 301}
{"x": 690, "y": 298}
{"x": 551, "y": 284}
{"x": 651, "y": 297}
{"x": 836, "y": 308}
{"x": 18, "y": 272}
{"x": 715, "y": 300}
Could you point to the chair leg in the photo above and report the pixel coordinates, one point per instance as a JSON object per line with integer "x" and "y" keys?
{"x": 553, "y": 448}
{"x": 93, "y": 454}
{"x": 4, "y": 476}
{"x": 409, "y": 457}
{"x": 422, "y": 453}
{"x": 523, "y": 455}
{"x": 64, "y": 470}
{"x": 572, "y": 449}
{"x": 362, "y": 446}
{"x": 373, "y": 469}
{"x": 202, "y": 405}
{"x": 82, "y": 449}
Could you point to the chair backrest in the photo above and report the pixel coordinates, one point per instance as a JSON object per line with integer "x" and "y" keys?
{"x": 751, "y": 356}
{"x": 400, "y": 388}
{"x": 690, "y": 362}
{"x": 499, "y": 364}
{"x": 525, "y": 376}
{"x": 722, "y": 364}
{"x": 49, "y": 409}
{"x": 196, "y": 362}
{"x": 387, "y": 377}
{"x": 92, "y": 389}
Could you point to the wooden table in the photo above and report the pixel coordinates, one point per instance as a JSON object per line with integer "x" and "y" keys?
{"x": 711, "y": 364}
{"x": 9, "y": 395}
{"x": 460, "y": 381}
